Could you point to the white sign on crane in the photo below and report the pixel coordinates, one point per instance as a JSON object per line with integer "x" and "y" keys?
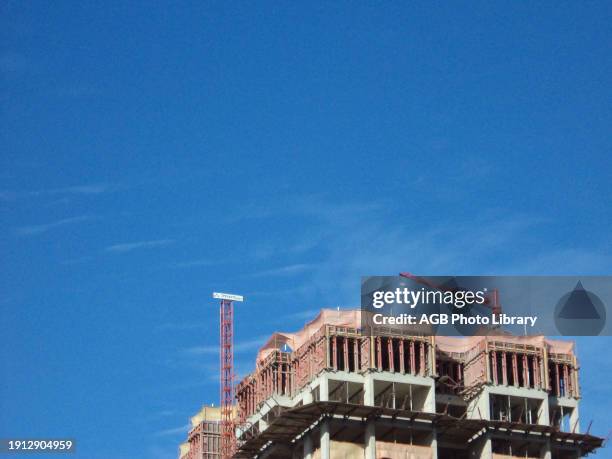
{"x": 227, "y": 296}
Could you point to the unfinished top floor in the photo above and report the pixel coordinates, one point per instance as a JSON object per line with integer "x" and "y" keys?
{"x": 460, "y": 367}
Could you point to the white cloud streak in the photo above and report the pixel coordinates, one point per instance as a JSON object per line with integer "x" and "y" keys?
{"x": 181, "y": 326}
{"x": 288, "y": 270}
{"x": 174, "y": 431}
{"x": 308, "y": 314}
{"x": 192, "y": 264}
{"x": 33, "y": 230}
{"x": 213, "y": 349}
{"x": 129, "y": 246}
{"x": 94, "y": 188}
{"x": 364, "y": 239}
{"x": 87, "y": 189}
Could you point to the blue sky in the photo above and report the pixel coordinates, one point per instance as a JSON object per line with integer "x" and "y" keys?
{"x": 153, "y": 154}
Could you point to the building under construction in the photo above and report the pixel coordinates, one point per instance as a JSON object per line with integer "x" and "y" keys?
{"x": 204, "y": 437}
{"x": 332, "y": 391}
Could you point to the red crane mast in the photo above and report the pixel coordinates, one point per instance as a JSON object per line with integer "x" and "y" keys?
{"x": 226, "y": 365}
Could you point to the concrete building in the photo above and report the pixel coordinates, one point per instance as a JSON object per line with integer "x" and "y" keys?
{"x": 332, "y": 391}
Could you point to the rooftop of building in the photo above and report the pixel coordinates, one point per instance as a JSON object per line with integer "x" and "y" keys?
{"x": 351, "y": 318}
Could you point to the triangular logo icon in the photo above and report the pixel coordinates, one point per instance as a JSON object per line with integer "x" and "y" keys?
{"x": 578, "y": 305}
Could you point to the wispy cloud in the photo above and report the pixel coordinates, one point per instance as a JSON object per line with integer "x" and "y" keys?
{"x": 180, "y": 326}
{"x": 32, "y": 230}
{"x": 85, "y": 189}
{"x": 173, "y": 431}
{"x": 304, "y": 245}
{"x": 287, "y": 270}
{"x": 137, "y": 245}
{"x": 298, "y": 317}
{"x": 162, "y": 414}
{"x": 184, "y": 385}
{"x": 95, "y": 188}
{"x": 243, "y": 346}
{"x": 357, "y": 239}
{"x": 312, "y": 205}
{"x": 307, "y": 314}
{"x": 192, "y": 264}
{"x": 250, "y": 212}
{"x": 276, "y": 292}
{"x": 565, "y": 262}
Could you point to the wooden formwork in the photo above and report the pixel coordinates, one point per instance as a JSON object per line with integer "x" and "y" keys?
{"x": 520, "y": 365}
{"x": 526, "y": 364}
{"x": 343, "y": 348}
{"x": 204, "y": 441}
{"x": 310, "y": 358}
{"x": 562, "y": 375}
{"x": 402, "y": 354}
{"x": 246, "y": 396}
{"x": 512, "y": 361}
{"x": 336, "y": 348}
{"x": 497, "y": 361}
{"x": 274, "y": 375}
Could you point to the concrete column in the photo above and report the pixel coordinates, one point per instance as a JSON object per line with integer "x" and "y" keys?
{"x": 479, "y": 407}
{"x": 574, "y": 420}
{"x": 370, "y": 430}
{"x": 544, "y": 413}
{"x": 368, "y": 389}
{"x": 263, "y": 425}
{"x": 307, "y": 396}
{"x": 370, "y": 439}
{"x": 430, "y": 400}
{"x": 482, "y": 449}
{"x": 325, "y": 440}
{"x": 324, "y": 388}
{"x": 545, "y": 452}
{"x": 434, "y": 444}
{"x": 487, "y": 449}
{"x": 308, "y": 446}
